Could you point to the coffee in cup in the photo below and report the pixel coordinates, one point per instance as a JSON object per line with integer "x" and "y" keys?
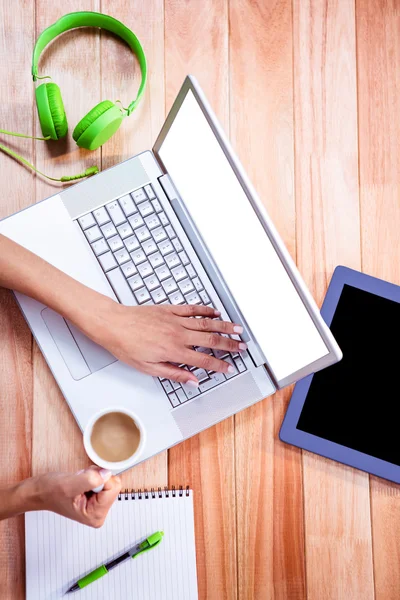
{"x": 114, "y": 438}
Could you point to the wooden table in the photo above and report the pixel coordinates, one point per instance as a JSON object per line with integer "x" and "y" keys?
{"x": 309, "y": 93}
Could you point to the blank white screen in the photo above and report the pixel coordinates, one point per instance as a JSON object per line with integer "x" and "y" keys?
{"x": 238, "y": 243}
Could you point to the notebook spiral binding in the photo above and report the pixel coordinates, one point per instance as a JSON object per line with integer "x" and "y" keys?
{"x": 153, "y": 493}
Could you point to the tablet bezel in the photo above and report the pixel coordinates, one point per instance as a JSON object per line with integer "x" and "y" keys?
{"x": 289, "y": 432}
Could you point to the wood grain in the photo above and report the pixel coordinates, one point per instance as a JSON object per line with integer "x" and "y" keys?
{"x": 378, "y": 53}
{"x": 120, "y": 80}
{"x": 18, "y": 191}
{"x": 336, "y": 498}
{"x": 196, "y": 41}
{"x": 268, "y": 473}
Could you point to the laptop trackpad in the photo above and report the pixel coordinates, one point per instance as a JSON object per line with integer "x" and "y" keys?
{"x": 81, "y": 355}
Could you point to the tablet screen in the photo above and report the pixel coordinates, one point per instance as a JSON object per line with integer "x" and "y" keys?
{"x": 354, "y": 403}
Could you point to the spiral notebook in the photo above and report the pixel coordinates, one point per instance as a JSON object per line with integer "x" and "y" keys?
{"x": 60, "y": 551}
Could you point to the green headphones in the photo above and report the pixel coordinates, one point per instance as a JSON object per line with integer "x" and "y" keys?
{"x": 102, "y": 121}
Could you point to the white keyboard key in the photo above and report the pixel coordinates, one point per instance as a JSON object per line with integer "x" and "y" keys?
{"x": 185, "y": 286}
{"x": 149, "y": 191}
{"x": 124, "y": 230}
{"x": 190, "y": 391}
{"x": 220, "y": 354}
{"x": 169, "y": 285}
{"x": 190, "y": 270}
{"x": 177, "y": 245}
{"x": 93, "y": 234}
{"x": 142, "y": 234}
{"x": 170, "y": 231}
{"x": 128, "y": 269}
{"x": 163, "y": 218}
{"x": 152, "y": 283}
{"x": 87, "y": 221}
{"x": 142, "y": 295}
{"x": 149, "y": 302}
{"x": 181, "y": 395}
{"x": 197, "y": 284}
{"x": 156, "y": 205}
{"x": 108, "y": 230}
{"x": 115, "y": 243}
{"x": 163, "y": 272}
{"x": 172, "y": 260}
{"x": 178, "y": 272}
{"x": 152, "y": 221}
{"x": 122, "y": 256}
{"x": 132, "y": 243}
{"x": 138, "y": 256}
{"x": 215, "y": 379}
{"x": 121, "y": 288}
{"x": 201, "y": 374}
{"x": 165, "y": 247}
{"x": 173, "y": 398}
{"x": 149, "y": 246}
{"x": 139, "y": 195}
{"x": 193, "y": 298}
{"x": 156, "y": 260}
{"x": 204, "y": 298}
{"x": 176, "y": 298}
{"x": 240, "y": 365}
{"x": 135, "y": 282}
{"x": 167, "y": 386}
{"x": 159, "y": 234}
{"x": 136, "y": 220}
{"x": 145, "y": 209}
{"x": 145, "y": 269}
{"x": 183, "y": 258}
{"x": 127, "y": 205}
{"x": 101, "y": 216}
{"x": 100, "y": 247}
{"x": 115, "y": 212}
{"x": 158, "y": 295}
{"x": 107, "y": 261}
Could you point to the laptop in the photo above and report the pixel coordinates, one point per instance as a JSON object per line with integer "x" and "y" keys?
{"x": 178, "y": 224}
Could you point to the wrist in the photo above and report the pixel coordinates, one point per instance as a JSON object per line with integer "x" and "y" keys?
{"x": 29, "y": 495}
{"x": 93, "y": 314}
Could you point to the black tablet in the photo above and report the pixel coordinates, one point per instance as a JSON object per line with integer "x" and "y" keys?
{"x": 348, "y": 411}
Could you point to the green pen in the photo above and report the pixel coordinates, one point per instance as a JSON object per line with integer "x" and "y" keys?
{"x": 149, "y": 543}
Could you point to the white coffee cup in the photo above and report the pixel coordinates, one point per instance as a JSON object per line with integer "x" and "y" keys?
{"x": 114, "y": 467}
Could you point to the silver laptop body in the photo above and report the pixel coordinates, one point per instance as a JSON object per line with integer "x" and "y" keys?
{"x": 179, "y": 224}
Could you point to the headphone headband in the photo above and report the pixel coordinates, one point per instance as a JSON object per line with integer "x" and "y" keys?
{"x": 93, "y": 19}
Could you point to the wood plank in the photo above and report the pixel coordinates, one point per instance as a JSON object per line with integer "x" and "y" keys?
{"x": 196, "y": 41}
{"x": 73, "y": 61}
{"x": 267, "y": 471}
{"x": 120, "y": 80}
{"x": 336, "y": 498}
{"x": 378, "y": 54}
{"x": 18, "y": 191}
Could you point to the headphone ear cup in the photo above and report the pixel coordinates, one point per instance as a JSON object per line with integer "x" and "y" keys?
{"x": 98, "y": 125}
{"x": 52, "y": 117}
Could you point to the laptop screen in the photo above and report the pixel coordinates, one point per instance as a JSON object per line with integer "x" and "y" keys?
{"x": 238, "y": 243}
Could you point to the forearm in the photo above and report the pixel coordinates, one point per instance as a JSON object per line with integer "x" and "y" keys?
{"x": 23, "y": 271}
{"x": 18, "y": 498}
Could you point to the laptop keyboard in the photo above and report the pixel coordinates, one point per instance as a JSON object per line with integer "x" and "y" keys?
{"x": 145, "y": 263}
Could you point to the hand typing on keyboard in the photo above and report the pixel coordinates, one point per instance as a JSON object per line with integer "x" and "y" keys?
{"x": 150, "y": 338}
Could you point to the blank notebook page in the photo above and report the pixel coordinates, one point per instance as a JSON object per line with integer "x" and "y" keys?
{"x": 60, "y": 551}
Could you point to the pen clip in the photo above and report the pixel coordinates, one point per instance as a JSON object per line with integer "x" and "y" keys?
{"x": 149, "y": 543}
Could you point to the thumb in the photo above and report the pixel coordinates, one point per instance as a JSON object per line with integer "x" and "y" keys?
{"x": 86, "y": 480}
{"x": 176, "y": 374}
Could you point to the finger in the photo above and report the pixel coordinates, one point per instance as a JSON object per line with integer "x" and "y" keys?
{"x": 213, "y": 325}
{"x": 195, "y": 310}
{"x": 216, "y": 341}
{"x": 111, "y": 490}
{"x": 176, "y": 374}
{"x": 207, "y": 362}
{"x": 85, "y": 481}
